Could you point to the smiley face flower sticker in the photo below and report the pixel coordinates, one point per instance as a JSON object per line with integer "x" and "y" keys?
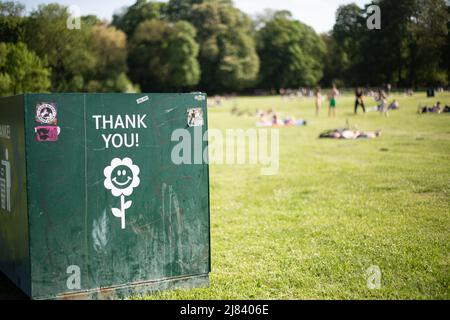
{"x": 121, "y": 177}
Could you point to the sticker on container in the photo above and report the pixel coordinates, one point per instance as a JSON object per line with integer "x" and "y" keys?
{"x": 5, "y": 183}
{"x": 46, "y": 113}
{"x": 47, "y": 133}
{"x": 195, "y": 117}
{"x": 142, "y": 100}
{"x": 200, "y": 97}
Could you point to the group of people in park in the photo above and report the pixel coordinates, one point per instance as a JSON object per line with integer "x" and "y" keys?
{"x": 334, "y": 94}
{"x": 436, "y": 108}
{"x": 380, "y": 97}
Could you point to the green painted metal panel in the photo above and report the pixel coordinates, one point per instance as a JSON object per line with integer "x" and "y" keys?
{"x": 107, "y": 206}
{"x": 14, "y": 251}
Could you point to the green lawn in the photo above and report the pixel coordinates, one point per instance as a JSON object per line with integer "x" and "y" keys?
{"x": 334, "y": 209}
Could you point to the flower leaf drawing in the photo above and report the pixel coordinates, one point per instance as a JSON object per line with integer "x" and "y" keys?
{"x": 117, "y": 212}
{"x": 127, "y": 204}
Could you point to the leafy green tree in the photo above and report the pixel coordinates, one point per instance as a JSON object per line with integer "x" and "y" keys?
{"x": 408, "y": 50}
{"x": 428, "y": 34}
{"x": 130, "y": 17}
{"x": 109, "y": 47}
{"x": 385, "y": 51}
{"x": 177, "y": 10}
{"x": 446, "y": 51}
{"x": 348, "y": 35}
{"x": 67, "y": 50}
{"x": 334, "y": 60}
{"x": 291, "y": 53}
{"x": 11, "y": 21}
{"x": 163, "y": 56}
{"x": 21, "y": 70}
{"x": 228, "y": 55}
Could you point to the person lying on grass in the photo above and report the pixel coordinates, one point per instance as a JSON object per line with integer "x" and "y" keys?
{"x": 434, "y": 109}
{"x": 345, "y": 133}
{"x": 272, "y": 119}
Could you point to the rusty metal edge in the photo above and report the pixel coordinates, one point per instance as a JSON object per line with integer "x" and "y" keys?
{"x": 135, "y": 289}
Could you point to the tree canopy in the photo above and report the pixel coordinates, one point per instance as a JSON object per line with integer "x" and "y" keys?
{"x": 163, "y": 56}
{"x": 291, "y": 51}
{"x": 212, "y": 46}
{"x": 21, "y": 70}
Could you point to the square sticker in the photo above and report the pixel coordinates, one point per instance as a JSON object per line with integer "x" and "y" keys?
{"x": 46, "y": 113}
{"x": 47, "y": 133}
{"x": 195, "y": 117}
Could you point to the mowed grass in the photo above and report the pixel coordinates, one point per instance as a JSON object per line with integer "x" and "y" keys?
{"x": 334, "y": 209}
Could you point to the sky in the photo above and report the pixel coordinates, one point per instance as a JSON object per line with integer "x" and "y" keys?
{"x": 319, "y": 14}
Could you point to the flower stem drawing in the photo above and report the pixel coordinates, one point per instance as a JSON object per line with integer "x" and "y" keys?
{"x": 120, "y": 213}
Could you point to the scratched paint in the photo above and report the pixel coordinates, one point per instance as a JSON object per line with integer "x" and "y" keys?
{"x": 100, "y": 232}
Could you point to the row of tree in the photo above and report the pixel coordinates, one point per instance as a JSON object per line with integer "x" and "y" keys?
{"x": 212, "y": 46}
{"x": 411, "y": 49}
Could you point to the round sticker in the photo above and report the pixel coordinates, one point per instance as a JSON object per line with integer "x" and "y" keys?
{"x": 46, "y": 113}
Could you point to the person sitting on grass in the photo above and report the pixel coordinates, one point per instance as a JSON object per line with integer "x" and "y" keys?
{"x": 434, "y": 109}
{"x": 394, "y": 105}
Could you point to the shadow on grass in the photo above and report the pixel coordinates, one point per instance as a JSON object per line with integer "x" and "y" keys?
{"x": 9, "y": 291}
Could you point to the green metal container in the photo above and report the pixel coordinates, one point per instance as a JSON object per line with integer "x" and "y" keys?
{"x": 93, "y": 204}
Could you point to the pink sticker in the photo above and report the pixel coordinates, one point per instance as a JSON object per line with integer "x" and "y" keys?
{"x": 47, "y": 133}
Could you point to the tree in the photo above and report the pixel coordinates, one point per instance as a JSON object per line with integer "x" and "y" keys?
{"x": 68, "y": 50}
{"x": 428, "y": 36}
{"x": 163, "y": 56}
{"x": 291, "y": 53}
{"x": 11, "y": 21}
{"x": 348, "y": 35}
{"x": 109, "y": 47}
{"x": 408, "y": 50}
{"x": 21, "y": 70}
{"x": 132, "y": 16}
{"x": 446, "y": 52}
{"x": 177, "y": 10}
{"x": 333, "y": 62}
{"x": 228, "y": 55}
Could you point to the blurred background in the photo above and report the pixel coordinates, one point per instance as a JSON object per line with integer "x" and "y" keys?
{"x": 220, "y": 46}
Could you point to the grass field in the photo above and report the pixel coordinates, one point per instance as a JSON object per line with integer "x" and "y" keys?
{"x": 334, "y": 209}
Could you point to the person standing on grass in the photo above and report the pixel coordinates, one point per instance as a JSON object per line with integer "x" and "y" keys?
{"x": 318, "y": 98}
{"x": 333, "y": 97}
{"x": 382, "y": 103}
{"x": 359, "y": 95}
